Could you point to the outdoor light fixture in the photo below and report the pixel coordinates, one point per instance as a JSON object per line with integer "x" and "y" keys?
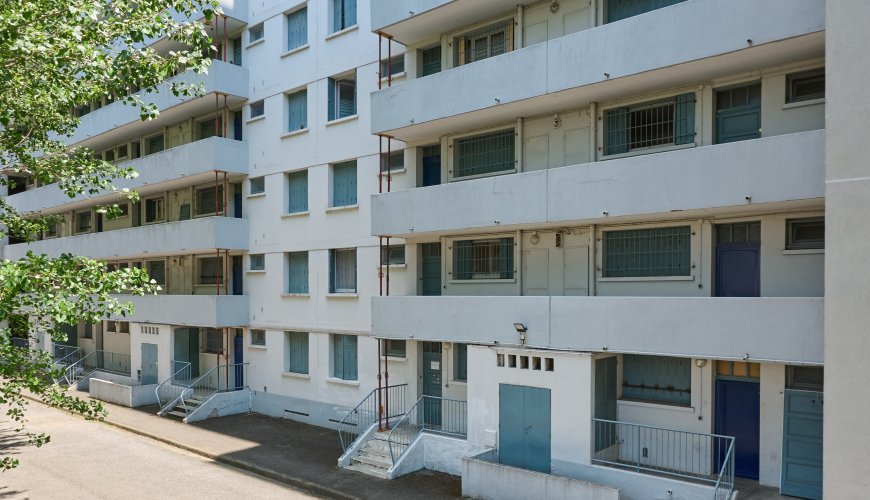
{"x": 700, "y": 363}
{"x": 521, "y": 329}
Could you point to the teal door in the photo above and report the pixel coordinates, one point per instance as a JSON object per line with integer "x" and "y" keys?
{"x": 430, "y": 268}
{"x": 187, "y": 349}
{"x": 605, "y": 402}
{"x": 738, "y": 114}
{"x": 432, "y": 368}
{"x": 802, "y": 444}
{"x": 149, "y": 364}
{"x": 524, "y": 427}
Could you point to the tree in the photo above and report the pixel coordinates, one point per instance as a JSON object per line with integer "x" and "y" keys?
{"x": 56, "y": 56}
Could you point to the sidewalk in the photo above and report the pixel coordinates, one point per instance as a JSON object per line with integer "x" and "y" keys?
{"x": 301, "y": 455}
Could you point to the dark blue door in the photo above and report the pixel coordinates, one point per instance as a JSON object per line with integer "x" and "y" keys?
{"x": 237, "y": 201}
{"x": 238, "y": 284}
{"x": 238, "y": 355}
{"x": 524, "y": 427}
{"x": 237, "y": 123}
{"x": 432, "y": 166}
{"x": 738, "y": 414}
{"x": 738, "y": 272}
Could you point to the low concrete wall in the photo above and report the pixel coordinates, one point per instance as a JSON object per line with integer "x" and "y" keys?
{"x": 298, "y": 409}
{"x": 483, "y": 477}
{"x": 432, "y": 452}
{"x": 221, "y": 405}
{"x": 120, "y": 393}
{"x": 635, "y": 485}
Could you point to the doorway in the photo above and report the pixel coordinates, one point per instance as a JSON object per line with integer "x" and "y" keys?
{"x": 431, "y": 165}
{"x": 738, "y": 259}
{"x": 524, "y": 427}
{"x": 149, "y": 363}
{"x": 432, "y": 375}
{"x": 605, "y": 402}
{"x": 187, "y": 349}
{"x": 430, "y": 268}
{"x": 738, "y": 413}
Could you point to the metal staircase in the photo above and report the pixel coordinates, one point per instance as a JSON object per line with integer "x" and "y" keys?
{"x": 181, "y": 394}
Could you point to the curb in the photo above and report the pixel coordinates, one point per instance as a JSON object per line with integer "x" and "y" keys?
{"x": 248, "y": 467}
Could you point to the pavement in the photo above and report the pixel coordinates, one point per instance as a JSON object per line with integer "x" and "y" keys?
{"x": 296, "y": 454}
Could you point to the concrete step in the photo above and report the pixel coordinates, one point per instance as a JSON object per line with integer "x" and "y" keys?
{"x": 187, "y": 407}
{"x": 176, "y": 413}
{"x": 373, "y": 461}
{"x": 368, "y": 469}
{"x": 377, "y": 445}
{"x": 376, "y": 454}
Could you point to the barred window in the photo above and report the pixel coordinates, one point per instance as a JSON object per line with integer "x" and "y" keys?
{"x": 209, "y": 200}
{"x": 659, "y": 379}
{"x": 662, "y": 251}
{"x": 209, "y": 271}
{"x": 649, "y": 125}
{"x": 484, "y": 154}
{"x": 484, "y": 43}
{"x": 212, "y": 341}
{"x": 483, "y": 259}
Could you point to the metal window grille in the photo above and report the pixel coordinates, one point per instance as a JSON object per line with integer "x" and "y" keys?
{"x": 657, "y": 378}
{"x": 258, "y": 337}
{"x": 212, "y": 341}
{"x": 258, "y": 262}
{"x": 484, "y": 43}
{"x": 647, "y": 252}
{"x": 650, "y": 125}
{"x": 484, "y": 154}
{"x": 258, "y": 185}
{"x": 484, "y": 259}
{"x": 209, "y": 269}
{"x": 297, "y": 28}
{"x": 205, "y": 200}
{"x": 394, "y": 161}
{"x": 298, "y": 110}
{"x": 344, "y": 271}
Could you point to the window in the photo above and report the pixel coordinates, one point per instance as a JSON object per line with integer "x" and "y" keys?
{"x": 738, "y": 369}
{"x": 483, "y": 259}
{"x": 297, "y": 352}
{"x": 154, "y": 144}
{"x": 83, "y": 222}
{"x": 810, "y": 378}
{"x": 258, "y": 185}
{"x": 344, "y": 184}
{"x": 208, "y": 201}
{"x": 460, "y": 365}
{"x": 211, "y": 127}
{"x": 297, "y": 185}
{"x": 342, "y": 97}
{"x": 209, "y": 271}
{"x": 395, "y": 348}
{"x": 136, "y": 148}
{"x": 343, "y": 14}
{"x": 484, "y": 154}
{"x": 344, "y": 357}
{"x": 109, "y": 155}
{"x": 211, "y": 341}
{"x": 806, "y": 86}
{"x": 393, "y": 161}
{"x": 258, "y": 109}
{"x": 122, "y": 151}
{"x": 297, "y": 275}
{"x": 806, "y": 234}
{"x": 657, "y": 379}
{"x": 621, "y": 9}
{"x": 258, "y": 337}
{"x": 123, "y": 327}
{"x": 237, "y": 51}
{"x": 154, "y": 210}
{"x": 394, "y": 255}
{"x": 664, "y": 251}
{"x": 393, "y": 66}
{"x": 297, "y": 29}
{"x": 256, "y": 33}
{"x": 258, "y": 262}
{"x": 738, "y": 232}
{"x": 123, "y": 211}
{"x": 156, "y": 270}
{"x": 89, "y": 331}
{"x": 487, "y": 42}
{"x": 648, "y": 125}
{"x": 297, "y": 105}
{"x": 51, "y": 231}
{"x": 430, "y": 61}
{"x": 342, "y": 271}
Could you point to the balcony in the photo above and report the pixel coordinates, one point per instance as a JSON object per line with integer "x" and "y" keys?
{"x": 780, "y": 329}
{"x": 189, "y": 236}
{"x": 620, "y": 59}
{"x": 784, "y": 168}
{"x": 213, "y": 311}
{"x": 191, "y": 163}
{"x": 121, "y": 120}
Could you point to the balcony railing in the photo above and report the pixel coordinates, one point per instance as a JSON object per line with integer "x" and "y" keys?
{"x": 703, "y": 458}
{"x": 430, "y": 414}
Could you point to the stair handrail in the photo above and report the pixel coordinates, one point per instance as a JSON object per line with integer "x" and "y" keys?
{"x": 452, "y": 421}
{"x": 73, "y": 352}
{"x": 174, "y": 377}
{"x": 372, "y": 406}
{"x": 69, "y": 371}
{"x": 192, "y": 388}
{"x": 725, "y": 482}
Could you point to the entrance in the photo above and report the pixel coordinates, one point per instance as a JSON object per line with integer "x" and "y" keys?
{"x": 738, "y": 414}
{"x": 524, "y": 427}
{"x": 238, "y": 359}
{"x": 605, "y": 402}
{"x": 430, "y": 269}
{"x": 802, "y": 433}
{"x": 187, "y": 349}
{"x": 738, "y": 263}
{"x": 556, "y": 263}
{"x": 431, "y": 165}
{"x": 738, "y": 114}
{"x": 432, "y": 368}
{"x": 149, "y": 364}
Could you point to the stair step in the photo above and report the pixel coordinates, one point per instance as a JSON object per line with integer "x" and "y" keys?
{"x": 176, "y": 413}
{"x": 376, "y": 454}
{"x": 377, "y": 445}
{"x": 374, "y": 462}
{"x": 369, "y": 470}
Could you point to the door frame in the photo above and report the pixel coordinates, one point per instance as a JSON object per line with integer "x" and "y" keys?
{"x": 719, "y": 415}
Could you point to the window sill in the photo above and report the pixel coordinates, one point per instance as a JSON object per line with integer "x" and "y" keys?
{"x": 254, "y": 346}
{"x": 395, "y": 172}
{"x": 295, "y": 295}
{"x": 342, "y": 208}
{"x": 648, "y": 278}
{"x": 342, "y": 120}
{"x": 801, "y": 104}
{"x": 340, "y": 295}
{"x": 473, "y": 281}
{"x": 658, "y": 406}
{"x": 341, "y": 32}
{"x": 255, "y": 271}
{"x": 460, "y": 382}
{"x": 295, "y": 214}
{"x": 644, "y": 151}
{"x": 294, "y": 51}
{"x": 340, "y": 381}
{"x": 294, "y": 133}
{"x": 256, "y": 195}
{"x": 392, "y": 359}
{"x": 453, "y": 178}
{"x": 303, "y": 376}
{"x": 397, "y": 76}
{"x": 255, "y": 119}
{"x": 255, "y": 43}
{"x": 394, "y": 266}
{"x": 804, "y": 251}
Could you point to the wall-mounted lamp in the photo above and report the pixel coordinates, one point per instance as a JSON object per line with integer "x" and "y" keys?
{"x": 700, "y": 363}
{"x": 521, "y": 329}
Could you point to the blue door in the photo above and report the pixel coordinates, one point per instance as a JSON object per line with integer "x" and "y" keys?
{"x": 432, "y": 383}
{"x": 802, "y": 444}
{"x": 238, "y": 286}
{"x": 238, "y": 359}
{"x": 187, "y": 349}
{"x": 524, "y": 427}
{"x": 149, "y": 364}
{"x": 431, "y": 166}
{"x": 738, "y": 262}
{"x": 430, "y": 268}
{"x": 738, "y": 414}
{"x": 237, "y": 201}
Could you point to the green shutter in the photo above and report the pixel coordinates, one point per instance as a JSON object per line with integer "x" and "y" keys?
{"x": 344, "y": 184}
{"x": 616, "y": 131}
{"x": 298, "y": 192}
{"x": 657, "y": 378}
{"x": 298, "y": 362}
{"x": 461, "y": 361}
{"x": 297, "y": 263}
{"x": 297, "y": 29}
{"x": 330, "y": 93}
{"x": 298, "y": 104}
{"x": 350, "y": 361}
{"x": 431, "y": 61}
{"x": 337, "y": 11}
{"x": 237, "y": 51}
{"x": 684, "y": 119}
{"x": 337, "y": 356}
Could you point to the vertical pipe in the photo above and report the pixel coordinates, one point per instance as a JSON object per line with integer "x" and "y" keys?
{"x": 226, "y": 265}
{"x": 217, "y": 279}
{"x": 226, "y": 193}
{"x": 226, "y": 116}
{"x": 217, "y": 109}
{"x": 227, "y": 355}
{"x": 380, "y": 265}
{"x": 389, "y": 159}
{"x": 389, "y": 61}
{"x": 388, "y": 265}
{"x": 387, "y": 383}
{"x": 226, "y": 39}
{"x": 380, "y": 164}
{"x": 380, "y": 406}
{"x": 380, "y": 57}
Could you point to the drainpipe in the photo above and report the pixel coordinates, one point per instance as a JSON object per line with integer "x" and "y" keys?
{"x": 380, "y": 403}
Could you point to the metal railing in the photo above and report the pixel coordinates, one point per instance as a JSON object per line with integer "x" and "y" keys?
{"x": 112, "y": 362}
{"x": 725, "y": 483}
{"x": 221, "y": 378}
{"x": 431, "y": 414}
{"x": 368, "y": 410}
{"x": 171, "y": 389}
{"x": 706, "y": 458}
{"x": 66, "y": 354}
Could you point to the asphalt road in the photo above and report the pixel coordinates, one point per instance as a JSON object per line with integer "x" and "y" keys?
{"x": 92, "y": 460}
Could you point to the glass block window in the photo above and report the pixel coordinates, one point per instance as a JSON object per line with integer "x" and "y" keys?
{"x": 806, "y": 86}
{"x": 393, "y": 161}
{"x": 344, "y": 184}
{"x": 258, "y": 337}
{"x": 806, "y": 234}
{"x": 256, "y": 33}
{"x": 664, "y": 251}
{"x": 297, "y": 104}
{"x": 297, "y": 272}
{"x": 341, "y": 96}
{"x": 297, "y": 352}
{"x": 430, "y": 61}
{"x": 297, "y": 29}
{"x": 343, "y": 14}
{"x": 396, "y": 348}
{"x": 211, "y": 341}
{"x": 258, "y": 109}
{"x": 484, "y": 43}
{"x": 344, "y": 357}
{"x": 649, "y": 125}
{"x": 208, "y": 201}
{"x": 209, "y": 270}
{"x": 460, "y": 365}
{"x": 483, "y": 259}
{"x": 342, "y": 271}
{"x": 394, "y": 255}
{"x": 258, "y": 185}
{"x": 659, "y": 379}
{"x": 297, "y": 185}
{"x": 258, "y": 262}
{"x": 484, "y": 154}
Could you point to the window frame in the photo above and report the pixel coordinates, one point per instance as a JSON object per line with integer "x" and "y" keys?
{"x": 606, "y": 273}
{"x": 162, "y": 209}
{"x": 257, "y": 109}
{"x": 302, "y": 258}
{"x": 453, "y": 148}
{"x": 257, "y": 337}
{"x": 219, "y": 277}
{"x": 392, "y": 351}
{"x": 790, "y": 226}
{"x": 334, "y": 93}
{"x": 221, "y": 201}
{"x": 653, "y": 394}
{"x": 794, "y": 79}
{"x": 256, "y": 33}
{"x": 257, "y": 262}
{"x": 77, "y": 226}
{"x": 303, "y": 359}
{"x": 291, "y": 207}
{"x": 211, "y": 341}
{"x": 290, "y": 96}
{"x": 343, "y": 24}
{"x": 460, "y": 351}
{"x": 453, "y": 261}
{"x": 464, "y": 41}
{"x": 394, "y": 161}
{"x": 387, "y": 258}
{"x": 260, "y": 185}
{"x": 338, "y": 347}
{"x": 288, "y": 20}
{"x": 148, "y": 270}
{"x": 334, "y": 271}
{"x": 683, "y": 118}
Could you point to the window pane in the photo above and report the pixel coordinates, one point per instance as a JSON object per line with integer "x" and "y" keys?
{"x": 258, "y": 109}
{"x": 657, "y": 378}
{"x": 483, "y": 259}
{"x": 394, "y": 161}
{"x": 210, "y": 270}
{"x": 484, "y": 154}
{"x": 806, "y": 234}
{"x": 344, "y": 267}
{"x": 431, "y": 61}
{"x": 258, "y": 337}
{"x": 258, "y": 262}
{"x": 156, "y": 270}
{"x": 258, "y": 185}
{"x": 647, "y": 252}
{"x": 806, "y": 86}
{"x": 205, "y": 201}
{"x": 396, "y": 348}
{"x": 393, "y": 256}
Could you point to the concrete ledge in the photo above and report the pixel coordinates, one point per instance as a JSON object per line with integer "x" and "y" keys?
{"x": 222, "y": 404}
{"x": 122, "y": 394}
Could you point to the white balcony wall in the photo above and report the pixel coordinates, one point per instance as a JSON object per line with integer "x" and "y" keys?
{"x": 213, "y": 311}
